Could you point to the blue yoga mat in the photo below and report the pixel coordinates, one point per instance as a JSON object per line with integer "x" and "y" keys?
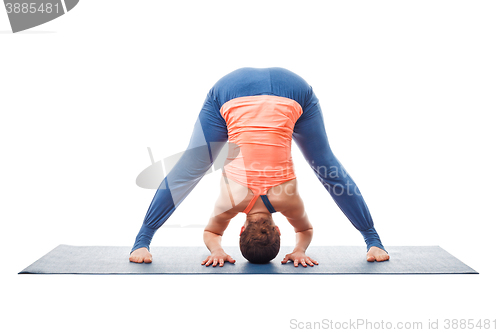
{"x": 67, "y": 259}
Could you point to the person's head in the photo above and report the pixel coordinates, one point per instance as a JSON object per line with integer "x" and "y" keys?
{"x": 259, "y": 238}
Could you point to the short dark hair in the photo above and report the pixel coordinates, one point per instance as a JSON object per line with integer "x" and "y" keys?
{"x": 260, "y": 241}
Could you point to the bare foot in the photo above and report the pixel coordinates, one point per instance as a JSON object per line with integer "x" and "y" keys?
{"x": 141, "y": 255}
{"x": 376, "y": 253}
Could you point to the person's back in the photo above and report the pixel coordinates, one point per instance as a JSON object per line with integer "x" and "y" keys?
{"x": 260, "y": 128}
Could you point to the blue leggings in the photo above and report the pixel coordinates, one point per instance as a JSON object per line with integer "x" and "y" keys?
{"x": 210, "y": 135}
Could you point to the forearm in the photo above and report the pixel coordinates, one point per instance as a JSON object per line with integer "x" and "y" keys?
{"x": 212, "y": 241}
{"x": 303, "y": 239}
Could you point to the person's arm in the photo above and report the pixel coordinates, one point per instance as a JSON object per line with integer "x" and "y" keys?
{"x": 297, "y": 216}
{"x": 212, "y": 235}
{"x": 214, "y": 230}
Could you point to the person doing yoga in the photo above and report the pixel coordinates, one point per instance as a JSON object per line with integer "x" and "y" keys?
{"x": 260, "y": 111}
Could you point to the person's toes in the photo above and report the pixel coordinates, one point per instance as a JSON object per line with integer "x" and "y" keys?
{"x": 148, "y": 260}
{"x": 370, "y": 258}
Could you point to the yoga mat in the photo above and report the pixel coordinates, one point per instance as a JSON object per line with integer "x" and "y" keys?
{"x": 66, "y": 259}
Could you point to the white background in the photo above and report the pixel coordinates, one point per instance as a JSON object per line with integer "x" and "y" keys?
{"x": 410, "y": 96}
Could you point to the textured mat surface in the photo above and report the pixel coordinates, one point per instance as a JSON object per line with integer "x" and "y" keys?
{"x": 67, "y": 259}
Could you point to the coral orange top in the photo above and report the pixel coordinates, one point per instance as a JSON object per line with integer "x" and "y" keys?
{"x": 260, "y": 128}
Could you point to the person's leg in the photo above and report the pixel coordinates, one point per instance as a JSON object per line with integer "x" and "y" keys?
{"x": 310, "y": 136}
{"x": 207, "y": 140}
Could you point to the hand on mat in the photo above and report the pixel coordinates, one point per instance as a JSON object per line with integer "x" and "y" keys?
{"x": 218, "y": 258}
{"x": 299, "y": 257}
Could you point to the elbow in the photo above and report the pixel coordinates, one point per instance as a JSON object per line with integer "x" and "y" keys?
{"x": 308, "y": 229}
{"x": 211, "y": 233}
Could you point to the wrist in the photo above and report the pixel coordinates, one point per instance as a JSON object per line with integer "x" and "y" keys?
{"x": 216, "y": 249}
{"x": 299, "y": 249}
